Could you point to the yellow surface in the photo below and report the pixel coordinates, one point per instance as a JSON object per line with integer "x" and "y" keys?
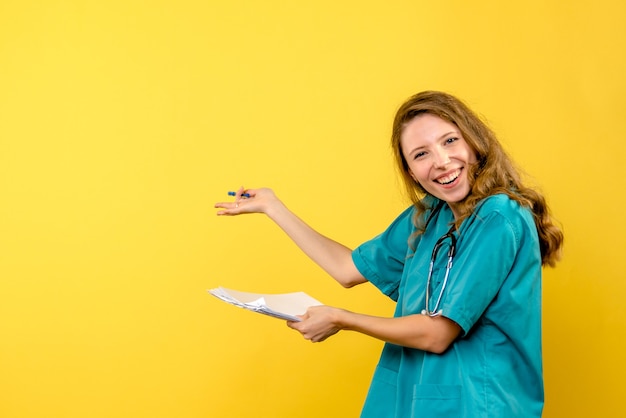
{"x": 122, "y": 122}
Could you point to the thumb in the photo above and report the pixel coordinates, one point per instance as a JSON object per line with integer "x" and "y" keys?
{"x": 295, "y": 324}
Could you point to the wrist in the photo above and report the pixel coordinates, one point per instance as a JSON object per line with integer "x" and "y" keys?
{"x": 342, "y": 319}
{"x": 274, "y": 209}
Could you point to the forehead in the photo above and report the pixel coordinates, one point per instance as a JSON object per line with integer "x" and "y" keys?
{"x": 426, "y": 127}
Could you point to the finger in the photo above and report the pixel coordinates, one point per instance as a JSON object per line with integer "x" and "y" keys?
{"x": 230, "y": 208}
{"x": 239, "y": 193}
{"x": 297, "y": 324}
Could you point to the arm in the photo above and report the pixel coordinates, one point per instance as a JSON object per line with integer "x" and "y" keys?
{"x": 433, "y": 334}
{"x": 333, "y": 257}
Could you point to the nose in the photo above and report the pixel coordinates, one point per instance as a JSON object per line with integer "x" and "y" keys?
{"x": 441, "y": 158}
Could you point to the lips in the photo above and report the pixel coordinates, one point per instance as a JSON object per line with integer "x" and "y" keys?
{"x": 449, "y": 177}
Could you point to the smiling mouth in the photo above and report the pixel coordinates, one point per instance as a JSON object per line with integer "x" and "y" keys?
{"x": 449, "y": 178}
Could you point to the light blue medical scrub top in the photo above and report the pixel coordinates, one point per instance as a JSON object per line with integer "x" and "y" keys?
{"x": 494, "y": 368}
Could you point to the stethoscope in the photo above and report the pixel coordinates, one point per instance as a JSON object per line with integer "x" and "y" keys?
{"x": 450, "y": 234}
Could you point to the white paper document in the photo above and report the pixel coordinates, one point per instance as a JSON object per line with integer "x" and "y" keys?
{"x": 284, "y": 306}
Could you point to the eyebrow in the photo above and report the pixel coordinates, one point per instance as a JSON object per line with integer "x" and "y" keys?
{"x": 448, "y": 134}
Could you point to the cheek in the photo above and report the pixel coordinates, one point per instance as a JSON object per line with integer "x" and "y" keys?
{"x": 418, "y": 172}
{"x": 471, "y": 155}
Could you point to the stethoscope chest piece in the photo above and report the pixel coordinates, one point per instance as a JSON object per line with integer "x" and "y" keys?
{"x": 432, "y": 314}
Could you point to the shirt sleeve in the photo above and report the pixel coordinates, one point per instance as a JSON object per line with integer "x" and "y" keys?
{"x": 381, "y": 260}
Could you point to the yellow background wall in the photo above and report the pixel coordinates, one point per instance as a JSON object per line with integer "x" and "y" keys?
{"x": 122, "y": 122}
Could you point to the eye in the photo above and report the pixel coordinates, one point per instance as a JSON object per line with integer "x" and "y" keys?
{"x": 451, "y": 140}
{"x": 419, "y": 155}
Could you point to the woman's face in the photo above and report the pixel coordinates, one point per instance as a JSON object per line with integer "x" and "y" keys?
{"x": 438, "y": 158}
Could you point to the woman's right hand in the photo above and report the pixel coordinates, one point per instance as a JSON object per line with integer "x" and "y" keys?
{"x": 333, "y": 257}
{"x": 259, "y": 201}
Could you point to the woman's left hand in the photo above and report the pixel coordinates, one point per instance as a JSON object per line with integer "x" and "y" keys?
{"x": 318, "y": 323}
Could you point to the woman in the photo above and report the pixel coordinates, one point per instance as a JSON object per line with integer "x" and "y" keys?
{"x": 463, "y": 263}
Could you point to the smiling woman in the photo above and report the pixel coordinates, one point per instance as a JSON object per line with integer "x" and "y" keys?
{"x": 121, "y": 120}
{"x": 467, "y": 196}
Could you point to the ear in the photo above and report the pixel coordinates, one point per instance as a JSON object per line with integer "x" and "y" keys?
{"x": 408, "y": 170}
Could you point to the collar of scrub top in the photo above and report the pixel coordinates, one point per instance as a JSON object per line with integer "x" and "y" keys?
{"x": 451, "y": 250}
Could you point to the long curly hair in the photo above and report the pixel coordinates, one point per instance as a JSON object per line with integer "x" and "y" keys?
{"x": 493, "y": 173}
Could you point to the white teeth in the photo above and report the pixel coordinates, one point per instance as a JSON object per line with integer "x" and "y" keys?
{"x": 449, "y": 178}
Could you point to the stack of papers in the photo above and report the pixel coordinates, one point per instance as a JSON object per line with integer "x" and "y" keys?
{"x": 284, "y": 306}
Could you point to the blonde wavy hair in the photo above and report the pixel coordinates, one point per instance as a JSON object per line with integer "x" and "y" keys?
{"x": 493, "y": 173}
